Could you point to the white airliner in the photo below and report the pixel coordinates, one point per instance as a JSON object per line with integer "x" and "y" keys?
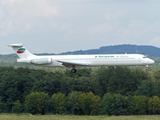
{"x": 74, "y": 61}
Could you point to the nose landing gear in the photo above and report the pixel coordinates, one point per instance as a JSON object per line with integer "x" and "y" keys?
{"x": 147, "y": 68}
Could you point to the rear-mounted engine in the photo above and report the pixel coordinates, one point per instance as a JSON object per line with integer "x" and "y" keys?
{"x": 41, "y": 61}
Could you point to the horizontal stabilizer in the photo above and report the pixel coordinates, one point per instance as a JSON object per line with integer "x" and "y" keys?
{"x": 16, "y": 45}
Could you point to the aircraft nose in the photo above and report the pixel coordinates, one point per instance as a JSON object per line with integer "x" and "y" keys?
{"x": 151, "y": 61}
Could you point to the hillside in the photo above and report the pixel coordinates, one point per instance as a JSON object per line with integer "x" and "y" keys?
{"x": 121, "y": 49}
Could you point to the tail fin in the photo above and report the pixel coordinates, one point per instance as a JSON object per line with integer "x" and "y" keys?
{"x": 21, "y": 51}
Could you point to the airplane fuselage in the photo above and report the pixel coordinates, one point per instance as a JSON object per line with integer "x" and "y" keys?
{"x": 93, "y": 60}
{"x": 74, "y": 61}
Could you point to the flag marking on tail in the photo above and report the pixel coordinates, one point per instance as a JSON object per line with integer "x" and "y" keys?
{"x": 21, "y": 50}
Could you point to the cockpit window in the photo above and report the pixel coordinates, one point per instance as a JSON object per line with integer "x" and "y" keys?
{"x": 144, "y": 56}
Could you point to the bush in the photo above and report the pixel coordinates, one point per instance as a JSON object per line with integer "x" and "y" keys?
{"x": 17, "y": 107}
{"x": 58, "y": 102}
{"x": 37, "y": 103}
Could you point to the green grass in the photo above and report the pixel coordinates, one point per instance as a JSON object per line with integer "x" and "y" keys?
{"x": 73, "y": 117}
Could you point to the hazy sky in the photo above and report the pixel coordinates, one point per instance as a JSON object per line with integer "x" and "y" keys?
{"x": 56, "y": 26}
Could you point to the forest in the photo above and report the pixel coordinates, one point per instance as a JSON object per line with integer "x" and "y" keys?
{"x": 101, "y": 91}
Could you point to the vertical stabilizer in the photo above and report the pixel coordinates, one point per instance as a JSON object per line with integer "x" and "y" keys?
{"x": 21, "y": 51}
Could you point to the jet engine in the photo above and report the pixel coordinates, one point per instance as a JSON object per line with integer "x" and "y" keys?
{"x": 41, "y": 61}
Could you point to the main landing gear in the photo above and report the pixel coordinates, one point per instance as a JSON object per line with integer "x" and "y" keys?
{"x": 73, "y": 70}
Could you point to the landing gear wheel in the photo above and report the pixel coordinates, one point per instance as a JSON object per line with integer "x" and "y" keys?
{"x": 147, "y": 68}
{"x": 73, "y": 70}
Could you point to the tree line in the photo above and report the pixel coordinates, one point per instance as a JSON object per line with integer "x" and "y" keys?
{"x": 80, "y": 103}
{"x": 107, "y": 90}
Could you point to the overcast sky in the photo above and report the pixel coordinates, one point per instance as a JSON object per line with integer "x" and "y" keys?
{"x": 56, "y": 26}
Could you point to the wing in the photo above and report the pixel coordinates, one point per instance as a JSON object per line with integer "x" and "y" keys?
{"x": 73, "y": 63}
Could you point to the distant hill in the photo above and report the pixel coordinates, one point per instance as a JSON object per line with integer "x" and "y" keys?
{"x": 121, "y": 49}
